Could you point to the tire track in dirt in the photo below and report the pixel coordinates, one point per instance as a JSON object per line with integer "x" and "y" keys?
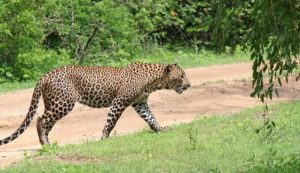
{"x": 215, "y": 90}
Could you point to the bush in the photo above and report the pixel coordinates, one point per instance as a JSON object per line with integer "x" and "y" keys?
{"x": 31, "y": 65}
{"x": 191, "y": 23}
{"x": 109, "y": 32}
{"x": 91, "y": 32}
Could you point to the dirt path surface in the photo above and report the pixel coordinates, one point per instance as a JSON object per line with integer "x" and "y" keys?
{"x": 215, "y": 90}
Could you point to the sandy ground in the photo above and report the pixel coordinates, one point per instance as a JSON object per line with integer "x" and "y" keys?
{"x": 215, "y": 90}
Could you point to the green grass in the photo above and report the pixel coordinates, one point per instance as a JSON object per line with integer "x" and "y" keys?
{"x": 13, "y": 86}
{"x": 214, "y": 144}
{"x": 191, "y": 58}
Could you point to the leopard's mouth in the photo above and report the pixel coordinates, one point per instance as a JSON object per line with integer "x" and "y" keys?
{"x": 180, "y": 90}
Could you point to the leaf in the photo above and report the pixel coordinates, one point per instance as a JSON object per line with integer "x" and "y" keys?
{"x": 298, "y": 76}
{"x": 279, "y": 81}
{"x": 276, "y": 92}
{"x": 257, "y": 131}
{"x": 9, "y": 74}
{"x": 26, "y": 76}
{"x": 253, "y": 94}
{"x": 262, "y": 98}
{"x": 273, "y": 123}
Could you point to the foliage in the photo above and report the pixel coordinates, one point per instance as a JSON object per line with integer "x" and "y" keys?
{"x": 106, "y": 32}
{"x": 273, "y": 40}
{"x": 210, "y": 144}
{"x": 19, "y": 27}
{"x": 118, "y": 32}
{"x": 190, "y": 23}
{"x": 274, "y": 43}
{"x": 92, "y": 31}
{"x": 20, "y": 32}
{"x": 38, "y": 61}
{"x": 230, "y": 24}
{"x": 39, "y": 35}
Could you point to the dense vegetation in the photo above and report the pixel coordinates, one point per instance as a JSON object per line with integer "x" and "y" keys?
{"x": 39, "y": 35}
{"x": 212, "y": 144}
{"x": 36, "y": 36}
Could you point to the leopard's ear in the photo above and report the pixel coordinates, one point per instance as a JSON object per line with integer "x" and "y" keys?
{"x": 168, "y": 69}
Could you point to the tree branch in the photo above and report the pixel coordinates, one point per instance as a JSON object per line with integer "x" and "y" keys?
{"x": 81, "y": 52}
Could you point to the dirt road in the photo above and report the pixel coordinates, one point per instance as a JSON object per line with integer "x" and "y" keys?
{"x": 215, "y": 90}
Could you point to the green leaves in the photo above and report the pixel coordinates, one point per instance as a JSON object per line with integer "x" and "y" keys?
{"x": 31, "y": 65}
{"x": 274, "y": 43}
{"x": 20, "y": 31}
{"x": 6, "y": 74}
{"x": 36, "y": 36}
{"x": 92, "y": 32}
{"x": 35, "y": 33}
{"x": 272, "y": 36}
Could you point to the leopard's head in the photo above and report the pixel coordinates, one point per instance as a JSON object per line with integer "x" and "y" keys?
{"x": 176, "y": 78}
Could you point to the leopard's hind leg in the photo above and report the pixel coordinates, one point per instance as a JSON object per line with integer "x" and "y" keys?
{"x": 53, "y": 113}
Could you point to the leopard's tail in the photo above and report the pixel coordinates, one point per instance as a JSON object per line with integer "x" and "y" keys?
{"x": 32, "y": 110}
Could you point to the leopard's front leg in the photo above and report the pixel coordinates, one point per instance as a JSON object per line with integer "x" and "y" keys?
{"x": 113, "y": 116}
{"x": 144, "y": 111}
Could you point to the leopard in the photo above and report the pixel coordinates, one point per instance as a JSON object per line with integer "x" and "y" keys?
{"x": 98, "y": 87}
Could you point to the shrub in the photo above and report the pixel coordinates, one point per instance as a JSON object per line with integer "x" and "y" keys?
{"x": 31, "y": 65}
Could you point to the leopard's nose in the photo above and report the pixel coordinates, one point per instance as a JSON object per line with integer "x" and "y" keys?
{"x": 188, "y": 84}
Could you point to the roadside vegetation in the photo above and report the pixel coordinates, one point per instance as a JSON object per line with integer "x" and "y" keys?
{"x": 36, "y": 36}
{"x": 232, "y": 143}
